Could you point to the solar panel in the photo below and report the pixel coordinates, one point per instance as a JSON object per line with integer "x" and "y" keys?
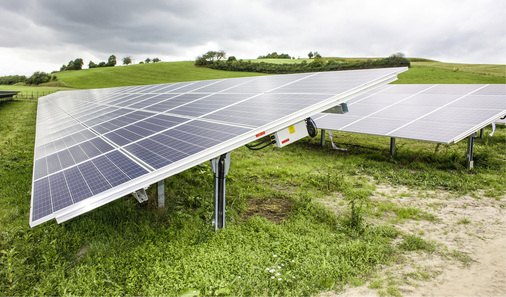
{"x": 94, "y": 146}
{"x": 437, "y": 113}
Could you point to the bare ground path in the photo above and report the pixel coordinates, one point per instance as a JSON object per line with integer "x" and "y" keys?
{"x": 471, "y": 237}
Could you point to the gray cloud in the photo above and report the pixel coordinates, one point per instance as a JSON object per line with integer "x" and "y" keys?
{"x": 450, "y": 30}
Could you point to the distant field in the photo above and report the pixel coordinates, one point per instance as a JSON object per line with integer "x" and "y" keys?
{"x": 28, "y": 92}
{"x": 143, "y": 74}
{"x": 169, "y": 72}
{"x": 445, "y": 73}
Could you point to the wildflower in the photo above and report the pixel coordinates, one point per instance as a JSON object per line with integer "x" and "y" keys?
{"x": 272, "y": 277}
{"x": 279, "y": 279}
{"x": 239, "y": 277}
{"x": 275, "y": 256}
{"x": 293, "y": 261}
{"x": 282, "y": 265}
{"x": 267, "y": 268}
{"x": 278, "y": 274}
{"x": 272, "y": 270}
{"x": 279, "y": 267}
{"x": 293, "y": 277}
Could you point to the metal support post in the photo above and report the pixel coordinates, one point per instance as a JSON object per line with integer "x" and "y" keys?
{"x": 322, "y": 132}
{"x": 161, "y": 193}
{"x": 470, "y": 149}
{"x": 481, "y": 132}
{"x": 220, "y": 168}
{"x": 392, "y": 146}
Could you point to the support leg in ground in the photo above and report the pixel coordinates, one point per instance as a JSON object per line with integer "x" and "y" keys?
{"x": 470, "y": 149}
{"x": 392, "y": 146}
{"x": 161, "y": 193}
{"x": 220, "y": 168}
{"x": 322, "y": 132}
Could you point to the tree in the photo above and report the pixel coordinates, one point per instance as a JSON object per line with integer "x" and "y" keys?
{"x": 38, "y": 78}
{"x": 102, "y": 64}
{"x": 209, "y": 57}
{"x": 221, "y": 55}
{"x": 112, "y": 61}
{"x": 127, "y": 60}
{"x": 317, "y": 55}
{"x": 156, "y": 60}
{"x": 77, "y": 64}
{"x": 147, "y": 61}
{"x": 92, "y": 65}
{"x": 310, "y": 55}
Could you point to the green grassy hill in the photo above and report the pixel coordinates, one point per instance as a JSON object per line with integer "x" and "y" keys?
{"x": 143, "y": 74}
{"x": 169, "y": 72}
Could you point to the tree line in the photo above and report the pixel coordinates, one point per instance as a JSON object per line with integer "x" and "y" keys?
{"x": 36, "y": 78}
{"x": 40, "y": 77}
{"x": 78, "y": 63}
{"x": 211, "y": 60}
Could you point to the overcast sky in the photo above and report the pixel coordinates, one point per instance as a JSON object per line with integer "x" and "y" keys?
{"x": 41, "y": 35}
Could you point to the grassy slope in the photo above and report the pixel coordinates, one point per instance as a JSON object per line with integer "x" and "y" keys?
{"x": 124, "y": 248}
{"x": 167, "y": 72}
{"x": 450, "y": 73}
{"x": 143, "y": 74}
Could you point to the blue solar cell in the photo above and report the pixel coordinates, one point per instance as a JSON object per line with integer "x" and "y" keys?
{"x": 166, "y": 121}
{"x": 53, "y": 163}
{"x": 40, "y": 168}
{"x": 169, "y": 153}
{"x": 60, "y": 195}
{"x": 101, "y": 145}
{"x": 126, "y": 133}
{"x": 93, "y": 177}
{"x": 135, "y": 128}
{"x": 116, "y": 138}
{"x": 80, "y": 136}
{"x": 69, "y": 141}
{"x": 105, "y": 127}
{"x": 90, "y": 150}
{"x": 174, "y": 102}
{"x": 126, "y": 165}
{"x": 113, "y": 175}
{"x": 79, "y": 190}
{"x": 78, "y": 154}
{"x": 41, "y": 201}
{"x": 147, "y": 156}
{"x": 152, "y": 127}
{"x": 66, "y": 159}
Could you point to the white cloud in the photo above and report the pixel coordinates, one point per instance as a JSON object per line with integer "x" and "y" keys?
{"x": 39, "y": 33}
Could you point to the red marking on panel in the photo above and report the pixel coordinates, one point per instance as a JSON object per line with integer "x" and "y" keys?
{"x": 260, "y": 134}
{"x": 285, "y": 141}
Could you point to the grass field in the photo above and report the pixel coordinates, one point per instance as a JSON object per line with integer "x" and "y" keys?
{"x": 143, "y": 74}
{"x": 279, "y": 240}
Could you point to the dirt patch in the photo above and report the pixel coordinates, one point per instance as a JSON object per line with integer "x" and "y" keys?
{"x": 470, "y": 233}
{"x": 273, "y": 209}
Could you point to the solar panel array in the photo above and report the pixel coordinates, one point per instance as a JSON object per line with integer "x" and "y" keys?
{"x": 437, "y": 113}
{"x": 94, "y": 146}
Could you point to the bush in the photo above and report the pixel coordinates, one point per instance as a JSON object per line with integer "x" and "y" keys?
{"x": 38, "y": 78}
{"x": 275, "y": 55}
{"x": 12, "y": 79}
{"x": 318, "y": 64}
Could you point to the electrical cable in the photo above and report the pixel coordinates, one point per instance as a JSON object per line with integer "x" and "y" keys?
{"x": 266, "y": 142}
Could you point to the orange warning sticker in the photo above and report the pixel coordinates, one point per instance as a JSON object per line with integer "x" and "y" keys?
{"x": 260, "y": 134}
{"x": 285, "y": 141}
